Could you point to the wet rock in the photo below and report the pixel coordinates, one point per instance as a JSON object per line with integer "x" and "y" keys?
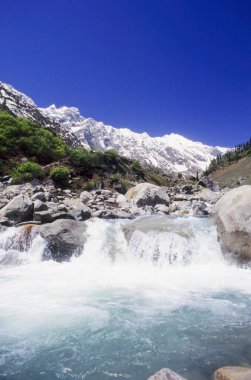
{"x": 166, "y": 374}
{"x": 233, "y": 373}
{"x": 64, "y": 238}
{"x": 80, "y": 212}
{"x": 146, "y": 194}
{"x": 200, "y": 209}
{"x": 232, "y": 215}
{"x": 18, "y": 210}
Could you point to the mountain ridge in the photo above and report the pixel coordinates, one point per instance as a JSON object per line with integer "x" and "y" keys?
{"x": 171, "y": 153}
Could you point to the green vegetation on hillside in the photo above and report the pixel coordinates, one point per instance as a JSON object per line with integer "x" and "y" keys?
{"x": 232, "y": 156}
{"x": 27, "y": 171}
{"x": 22, "y": 138}
{"x": 19, "y": 135}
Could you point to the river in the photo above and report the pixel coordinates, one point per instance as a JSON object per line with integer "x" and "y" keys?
{"x": 144, "y": 294}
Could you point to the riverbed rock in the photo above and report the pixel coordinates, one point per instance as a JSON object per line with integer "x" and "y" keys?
{"x": 208, "y": 195}
{"x": 166, "y": 374}
{"x": 162, "y": 208}
{"x": 233, "y": 373}
{"x": 18, "y": 210}
{"x": 80, "y": 212}
{"x": 49, "y": 216}
{"x": 64, "y": 238}
{"x": 232, "y": 215}
{"x": 39, "y": 196}
{"x": 200, "y": 209}
{"x": 146, "y": 194}
{"x": 40, "y": 206}
{"x": 85, "y": 196}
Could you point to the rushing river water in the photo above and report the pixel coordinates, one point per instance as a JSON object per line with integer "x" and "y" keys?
{"x": 138, "y": 299}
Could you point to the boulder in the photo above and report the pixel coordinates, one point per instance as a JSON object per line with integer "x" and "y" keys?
{"x": 39, "y": 196}
{"x": 80, "y": 212}
{"x": 173, "y": 207}
{"x": 49, "y": 216}
{"x": 232, "y": 215}
{"x": 188, "y": 189}
{"x": 111, "y": 214}
{"x": 85, "y": 196}
{"x": 40, "y": 206}
{"x": 209, "y": 183}
{"x": 180, "y": 197}
{"x": 162, "y": 208}
{"x": 18, "y": 210}
{"x": 208, "y": 195}
{"x": 146, "y": 194}
{"x": 200, "y": 209}
{"x": 166, "y": 374}
{"x": 233, "y": 373}
{"x": 64, "y": 238}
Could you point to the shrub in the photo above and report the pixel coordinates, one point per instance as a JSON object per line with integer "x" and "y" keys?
{"x": 60, "y": 175}
{"x": 27, "y": 171}
{"x": 26, "y": 136}
{"x": 137, "y": 168}
{"x": 159, "y": 180}
{"x": 80, "y": 158}
{"x": 90, "y": 185}
{"x": 125, "y": 185}
{"x": 111, "y": 156}
{"x": 116, "y": 177}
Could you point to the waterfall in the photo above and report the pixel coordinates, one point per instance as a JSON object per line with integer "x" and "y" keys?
{"x": 144, "y": 294}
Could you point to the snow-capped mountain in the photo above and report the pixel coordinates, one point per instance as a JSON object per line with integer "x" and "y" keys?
{"x": 170, "y": 153}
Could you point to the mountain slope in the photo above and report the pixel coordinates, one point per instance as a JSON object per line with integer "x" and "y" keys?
{"x": 21, "y": 105}
{"x": 170, "y": 153}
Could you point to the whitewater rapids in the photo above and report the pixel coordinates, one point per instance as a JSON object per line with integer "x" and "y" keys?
{"x": 144, "y": 294}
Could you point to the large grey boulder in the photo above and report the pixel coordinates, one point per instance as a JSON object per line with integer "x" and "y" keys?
{"x": 146, "y": 194}
{"x": 18, "y": 210}
{"x": 166, "y": 374}
{"x": 81, "y": 212}
{"x": 64, "y": 238}
{"x": 232, "y": 215}
{"x": 208, "y": 195}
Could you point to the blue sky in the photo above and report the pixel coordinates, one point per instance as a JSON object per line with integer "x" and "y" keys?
{"x": 159, "y": 66}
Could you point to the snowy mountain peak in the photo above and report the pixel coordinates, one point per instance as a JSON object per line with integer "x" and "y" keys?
{"x": 69, "y": 116}
{"x": 170, "y": 153}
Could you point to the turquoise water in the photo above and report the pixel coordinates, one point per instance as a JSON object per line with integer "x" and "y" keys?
{"x": 124, "y": 309}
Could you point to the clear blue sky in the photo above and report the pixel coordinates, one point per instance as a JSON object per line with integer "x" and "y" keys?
{"x": 159, "y": 66}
